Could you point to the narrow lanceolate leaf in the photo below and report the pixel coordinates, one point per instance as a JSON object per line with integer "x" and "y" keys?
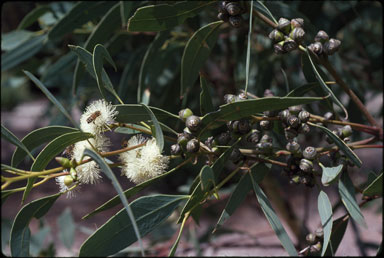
{"x": 376, "y": 187}
{"x": 63, "y": 63}
{"x": 52, "y": 149}
{"x": 117, "y": 233}
{"x": 157, "y": 131}
{"x": 164, "y": 16}
{"x": 125, "y": 11}
{"x": 33, "y": 15}
{"x": 49, "y": 95}
{"x": 248, "y": 48}
{"x": 239, "y": 194}
{"x": 108, "y": 172}
{"x": 37, "y": 137}
{"x": 325, "y": 87}
{"x": 330, "y": 174}
{"x": 269, "y": 212}
{"x": 24, "y": 51}
{"x": 206, "y": 105}
{"x": 9, "y": 136}
{"x": 207, "y": 178}
{"x": 347, "y": 195}
{"x": 13, "y": 39}
{"x": 196, "y": 52}
{"x": 132, "y": 191}
{"x": 338, "y": 230}
{"x": 261, "y": 7}
{"x": 20, "y": 233}
{"x": 301, "y": 90}
{"x": 324, "y": 207}
{"x": 246, "y": 108}
{"x": 341, "y": 144}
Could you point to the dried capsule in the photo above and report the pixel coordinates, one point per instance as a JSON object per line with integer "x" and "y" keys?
{"x": 310, "y": 153}
{"x": 297, "y": 34}
{"x": 278, "y": 48}
{"x": 175, "y": 149}
{"x": 233, "y": 8}
{"x": 331, "y": 46}
{"x": 316, "y": 48}
{"x": 303, "y": 116}
{"x": 254, "y": 136}
{"x": 306, "y": 165}
{"x": 193, "y": 145}
{"x": 243, "y": 126}
{"x": 293, "y": 147}
{"x": 289, "y": 45}
{"x": 266, "y": 138}
{"x": 193, "y": 123}
{"x": 321, "y": 37}
{"x": 265, "y": 125}
{"x": 223, "y": 16}
{"x": 235, "y": 155}
{"x": 297, "y": 23}
{"x": 328, "y": 116}
{"x": 284, "y": 25}
{"x": 235, "y": 21}
{"x": 223, "y": 138}
{"x": 229, "y": 98}
{"x": 276, "y": 36}
{"x": 295, "y": 109}
{"x": 304, "y": 128}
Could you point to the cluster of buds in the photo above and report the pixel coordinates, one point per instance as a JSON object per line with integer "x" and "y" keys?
{"x": 288, "y": 35}
{"x": 314, "y": 240}
{"x": 231, "y": 11}
{"x": 323, "y": 45}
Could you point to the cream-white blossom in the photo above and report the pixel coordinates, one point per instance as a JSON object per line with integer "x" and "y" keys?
{"x": 65, "y": 183}
{"x": 143, "y": 163}
{"x": 97, "y": 116}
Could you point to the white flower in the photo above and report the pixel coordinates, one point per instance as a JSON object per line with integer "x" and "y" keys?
{"x": 97, "y": 116}
{"x": 144, "y": 163}
{"x": 65, "y": 183}
{"x": 89, "y": 173}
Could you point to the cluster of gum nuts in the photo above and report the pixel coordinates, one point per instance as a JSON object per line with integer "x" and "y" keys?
{"x": 230, "y": 11}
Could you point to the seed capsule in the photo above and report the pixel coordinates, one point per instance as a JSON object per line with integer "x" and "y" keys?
{"x": 175, "y": 149}
{"x": 297, "y": 23}
{"x": 284, "y": 25}
{"x": 310, "y": 153}
{"x": 235, "y": 21}
{"x": 306, "y": 165}
{"x": 290, "y": 133}
{"x": 304, "y": 128}
{"x": 304, "y": 116}
{"x": 244, "y": 126}
{"x": 235, "y": 155}
{"x": 223, "y": 138}
{"x": 266, "y": 138}
{"x": 278, "y": 48}
{"x": 276, "y": 36}
{"x": 283, "y": 115}
{"x": 235, "y": 126}
{"x": 293, "y": 121}
{"x": 297, "y": 34}
{"x": 293, "y": 147}
{"x": 321, "y": 37}
{"x": 193, "y": 123}
{"x": 331, "y": 46}
{"x": 295, "y": 109}
{"x": 289, "y": 45}
{"x": 316, "y": 48}
{"x": 229, "y": 98}
{"x": 193, "y": 146}
{"x": 233, "y": 8}
{"x": 264, "y": 147}
{"x": 266, "y": 125}
{"x": 254, "y": 136}
{"x": 222, "y": 6}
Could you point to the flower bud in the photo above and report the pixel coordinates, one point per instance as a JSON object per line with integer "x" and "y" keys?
{"x": 293, "y": 147}
{"x": 235, "y": 21}
{"x": 244, "y": 126}
{"x": 68, "y": 180}
{"x": 321, "y": 37}
{"x": 233, "y": 8}
{"x": 297, "y": 23}
{"x": 304, "y": 116}
{"x": 284, "y": 25}
{"x": 223, "y": 138}
{"x": 316, "y": 48}
{"x": 229, "y": 98}
{"x": 289, "y": 45}
{"x": 185, "y": 113}
{"x": 193, "y": 123}
{"x": 64, "y": 162}
{"x": 310, "y": 153}
{"x": 175, "y": 149}
{"x": 276, "y": 36}
{"x": 193, "y": 145}
{"x": 73, "y": 174}
{"x": 266, "y": 125}
{"x": 346, "y": 131}
{"x": 297, "y": 34}
{"x": 331, "y": 46}
{"x": 306, "y": 165}
{"x": 223, "y": 16}
{"x": 278, "y": 48}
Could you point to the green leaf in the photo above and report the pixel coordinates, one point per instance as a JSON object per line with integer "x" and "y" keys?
{"x": 117, "y": 233}
{"x": 23, "y": 52}
{"x": 324, "y": 207}
{"x": 156, "y": 130}
{"x": 347, "y": 195}
{"x": 261, "y": 7}
{"x": 325, "y": 87}
{"x": 239, "y": 194}
{"x": 51, "y": 150}
{"x": 341, "y": 144}
{"x": 51, "y": 73}
{"x": 269, "y": 211}
{"x": 13, "y": 39}
{"x": 164, "y": 16}
{"x": 9, "y": 136}
{"x": 81, "y": 13}
{"x": 375, "y": 188}
{"x": 207, "y": 178}
{"x": 66, "y": 228}
{"x": 206, "y": 105}
{"x": 20, "y": 233}
{"x": 246, "y": 108}
{"x": 248, "y": 47}
{"x": 108, "y": 172}
{"x": 174, "y": 246}
{"x": 37, "y": 137}
{"x": 132, "y": 191}
{"x": 49, "y": 95}
{"x": 38, "y": 239}
{"x": 196, "y": 52}
{"x": 330, "y": 174}
{"x": 338, "y": 230}
{"x": 33, "y": 15}
{"x": 126, "y": 8}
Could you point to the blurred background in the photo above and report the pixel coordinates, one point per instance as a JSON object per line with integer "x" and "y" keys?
{"x": 358, "y": 24}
